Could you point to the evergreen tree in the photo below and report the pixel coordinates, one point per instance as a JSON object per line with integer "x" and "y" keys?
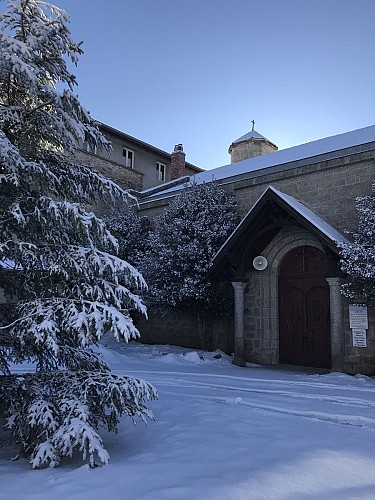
{"x": 131, "y": 232}
{"x": 187, "y": 236}
{"x": 358, "y": 257}
{"x": 59, "y": 264}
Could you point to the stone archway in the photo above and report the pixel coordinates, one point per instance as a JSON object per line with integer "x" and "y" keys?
{"x": 304, "y": 308}
{"x": 276, "y": 224}
{"x": 261, "y": 300}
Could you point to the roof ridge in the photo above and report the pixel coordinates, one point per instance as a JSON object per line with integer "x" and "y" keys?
{"x": 253, "y": 134}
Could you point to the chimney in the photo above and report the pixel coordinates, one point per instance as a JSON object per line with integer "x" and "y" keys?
{"x": 177, "y": 162}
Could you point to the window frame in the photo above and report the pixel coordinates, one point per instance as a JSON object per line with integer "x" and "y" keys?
{"x": 161, "y": 170}
{"x": 128, "y": 160}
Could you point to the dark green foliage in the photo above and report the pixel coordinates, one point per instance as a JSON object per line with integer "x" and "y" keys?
{"x": 131, "y": 232}
{"x": 186, "y": 238}
{"x": 358, "y": 256}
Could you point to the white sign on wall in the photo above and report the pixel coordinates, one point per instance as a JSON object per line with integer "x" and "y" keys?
{"x": 358, "y": 316}
{"x": 359, "y": 337}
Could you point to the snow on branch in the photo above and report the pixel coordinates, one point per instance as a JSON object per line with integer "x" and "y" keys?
{"x": 61, "y": 412}
{"x": 49, "y": 322}
{"x": 66, "y": 287}
{"x": 358, "y": 256}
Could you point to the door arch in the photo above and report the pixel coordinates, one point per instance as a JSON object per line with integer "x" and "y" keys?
{"x": 304, "y": 310}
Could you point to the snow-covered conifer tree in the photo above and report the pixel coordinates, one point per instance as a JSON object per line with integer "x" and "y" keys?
{"x": 186, "y": 237}
{"x": 64, "y": 282}
{"x": 358, "y": 257}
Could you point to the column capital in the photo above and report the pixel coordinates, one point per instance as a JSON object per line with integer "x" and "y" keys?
{"x": 239, "y": 284}
{"x": 336, "y": 281}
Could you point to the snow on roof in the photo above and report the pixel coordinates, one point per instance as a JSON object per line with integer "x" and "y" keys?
{"x": 258, "y": 163}
{"x": 320, "y": 224}
{"x": 310, "y": 216}
{"x": 166, "y": 185}
{"x": 142, "y": 143}
{"x": 251, "y": 135}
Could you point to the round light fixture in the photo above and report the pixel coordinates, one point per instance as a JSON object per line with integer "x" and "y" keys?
{"x": 260, "y": 263}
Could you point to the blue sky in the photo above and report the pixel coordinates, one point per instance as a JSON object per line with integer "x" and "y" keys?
{"x": 198, "y": 71}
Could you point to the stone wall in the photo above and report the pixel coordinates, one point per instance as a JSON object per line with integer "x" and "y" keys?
{"x": 152, "y": 210}
{"x": 262, "y": 315}
{"x": 328, "y": 188}
{"x": 359, "y": 359}
{"x": 125, "y": 177}
{"x": 187, "y": 330}
{"x": 247, "y": 149}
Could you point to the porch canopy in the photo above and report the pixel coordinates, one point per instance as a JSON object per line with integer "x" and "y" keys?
{"x": 273, "y": 211}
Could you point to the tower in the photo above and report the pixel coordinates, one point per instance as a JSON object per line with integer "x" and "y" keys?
{"x": 249, "y": 145}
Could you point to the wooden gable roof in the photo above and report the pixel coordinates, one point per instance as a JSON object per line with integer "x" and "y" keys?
{"x": 273, "y": 211}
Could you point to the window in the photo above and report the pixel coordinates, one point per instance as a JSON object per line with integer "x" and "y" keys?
{"x": 129, "y": 157}
{"x": 160, "y": 171}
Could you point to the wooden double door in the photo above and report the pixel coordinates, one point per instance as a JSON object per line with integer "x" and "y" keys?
{"x": 304, "y": 311}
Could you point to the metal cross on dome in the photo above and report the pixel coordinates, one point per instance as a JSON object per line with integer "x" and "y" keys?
{"x": 253, "y": 122}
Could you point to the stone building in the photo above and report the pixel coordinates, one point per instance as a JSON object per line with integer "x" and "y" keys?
{"x": 249, "y": 145}
{"x": 134, "y": 164}
{"x": 283, "y": 259}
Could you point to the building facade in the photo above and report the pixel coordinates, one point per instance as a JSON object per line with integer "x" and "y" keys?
{"x": 134, "y": 164}
{"x": 283, "y": 259}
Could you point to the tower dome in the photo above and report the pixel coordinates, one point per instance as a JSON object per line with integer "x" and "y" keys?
{"x": 249, "y": 145}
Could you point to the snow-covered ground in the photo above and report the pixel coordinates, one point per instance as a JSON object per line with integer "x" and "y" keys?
{"x": 222, "y": 432}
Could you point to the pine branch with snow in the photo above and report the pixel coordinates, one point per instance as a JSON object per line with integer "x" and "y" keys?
{"x": 131, "y": 231}
{"x": 55, "y": 414}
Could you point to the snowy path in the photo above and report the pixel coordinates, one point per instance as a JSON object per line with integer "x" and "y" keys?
{"x": 223, "y": 432}
{"x": 253, "y": 394}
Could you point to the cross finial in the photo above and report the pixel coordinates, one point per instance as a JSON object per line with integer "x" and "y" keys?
{"x": 253, "y": 122}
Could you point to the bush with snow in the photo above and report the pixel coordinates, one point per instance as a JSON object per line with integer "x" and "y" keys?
{"x": 358, "y": 256}
{"x": 181, "y": 248}
{"x": 67, "y": 286}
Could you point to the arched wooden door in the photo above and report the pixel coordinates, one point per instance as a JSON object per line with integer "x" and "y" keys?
{"x": 304, "y": 315}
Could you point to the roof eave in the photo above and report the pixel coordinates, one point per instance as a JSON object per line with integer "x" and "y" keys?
{"x": 270, "y": 194}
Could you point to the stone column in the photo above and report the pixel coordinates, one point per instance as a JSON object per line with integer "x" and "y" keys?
{"x": 337, "y": 324}
{"x": 239, "y": 323}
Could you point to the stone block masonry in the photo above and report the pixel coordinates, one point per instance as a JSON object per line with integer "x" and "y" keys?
{"x": 187, "y": 330}
{"x": 125, "y": 177}
{"x": 328, "y": 188}
{"x": 328, "y": 185}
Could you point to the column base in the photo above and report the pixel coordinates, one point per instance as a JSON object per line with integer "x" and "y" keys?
{"x": 337, "y": 365}
{"x": 239, "y": 361}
